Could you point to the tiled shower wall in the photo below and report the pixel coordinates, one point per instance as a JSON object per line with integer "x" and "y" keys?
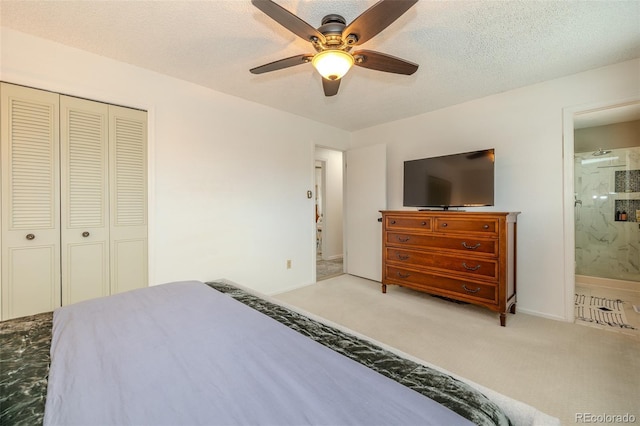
{"x": 607, "y": 248}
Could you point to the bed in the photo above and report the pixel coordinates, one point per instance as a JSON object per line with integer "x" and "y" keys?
{"x": 194, "y": 353}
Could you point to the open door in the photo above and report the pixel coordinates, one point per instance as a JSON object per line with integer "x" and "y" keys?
{"x": 366, "y": 195}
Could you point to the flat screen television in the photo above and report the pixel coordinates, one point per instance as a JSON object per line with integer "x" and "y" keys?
{"x": 457, "y": 180}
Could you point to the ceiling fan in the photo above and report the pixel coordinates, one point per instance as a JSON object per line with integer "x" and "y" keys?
{"x": 333, "y": 42}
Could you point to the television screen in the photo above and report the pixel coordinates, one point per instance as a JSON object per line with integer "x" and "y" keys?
{"x": 458, "y": 180}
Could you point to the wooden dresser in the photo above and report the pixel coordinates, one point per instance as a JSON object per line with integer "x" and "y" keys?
{"x": 470, "y": 257}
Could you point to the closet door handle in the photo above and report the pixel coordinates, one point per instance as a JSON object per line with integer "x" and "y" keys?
{"x": 86, "y": 234}
{"x": 30, "y": 237}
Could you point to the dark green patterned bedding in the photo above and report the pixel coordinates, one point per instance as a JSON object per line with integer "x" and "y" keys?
{"x": 448, "y": 391}
{"x": 24, "y": 364}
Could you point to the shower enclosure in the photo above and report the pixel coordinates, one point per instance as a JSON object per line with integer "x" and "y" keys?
{"x": 607, "y": 184}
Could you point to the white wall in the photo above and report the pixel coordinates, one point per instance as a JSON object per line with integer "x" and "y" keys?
{"x": 332, "y": 220}
{"x": 525, "y": 127}
{"x": 228, "y": 178}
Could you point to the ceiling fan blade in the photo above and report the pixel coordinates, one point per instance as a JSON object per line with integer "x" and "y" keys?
{"x": 376, "y": 18}
{"x": 288, "y": 20}
{"x": 282, "y": 63}
{"x": 383, "y": 62}
{"x": 330, "y": 86}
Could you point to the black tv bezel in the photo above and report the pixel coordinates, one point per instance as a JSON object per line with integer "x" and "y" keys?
{"x": 446, "y": 207}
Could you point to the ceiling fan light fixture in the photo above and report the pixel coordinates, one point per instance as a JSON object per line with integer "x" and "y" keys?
{"x": 333, "y": 64}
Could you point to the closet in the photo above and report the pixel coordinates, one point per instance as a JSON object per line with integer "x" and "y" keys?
{"x": 74, "y": 213}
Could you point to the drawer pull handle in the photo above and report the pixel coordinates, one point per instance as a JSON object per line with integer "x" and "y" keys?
{"x": 423, "y": 223}
{"x": 30, "y": 237}
{"x": 86, "y": 234}
{"x": 467, "y": 246}
{"x": 470, "y": 268}
{"x": 485, "y": 227}
{"x": 444, "y": 225}
{"x": 401, "y": 275}
{"x": 403, "y": 239}
{"x": 403, "y": 256}
{"x": 464, "y": 286}
{"x": 393, "y": 222}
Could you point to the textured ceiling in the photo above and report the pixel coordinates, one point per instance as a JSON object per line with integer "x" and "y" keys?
{"x": 465, "y": 49}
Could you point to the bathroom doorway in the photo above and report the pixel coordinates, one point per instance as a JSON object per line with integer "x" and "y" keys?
{"x": 606, "y": 204}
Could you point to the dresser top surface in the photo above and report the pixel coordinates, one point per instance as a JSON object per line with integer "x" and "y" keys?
{"x": 447, "y": 213}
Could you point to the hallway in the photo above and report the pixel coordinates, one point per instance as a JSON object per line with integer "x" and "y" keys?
{"x": 328, "y": 268}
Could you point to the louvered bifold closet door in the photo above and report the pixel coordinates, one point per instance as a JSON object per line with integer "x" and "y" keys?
{"x": 128, "y": 193}
{"x": 30, "y": 201}
{"x": 85, "y": 199}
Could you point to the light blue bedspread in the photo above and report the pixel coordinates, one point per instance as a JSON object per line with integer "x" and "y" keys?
{"x": 185, "y": 354}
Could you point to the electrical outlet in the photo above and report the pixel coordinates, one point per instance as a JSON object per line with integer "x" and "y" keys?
{"x": 288, "y": 263}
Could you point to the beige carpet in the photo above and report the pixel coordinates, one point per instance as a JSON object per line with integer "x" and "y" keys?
{"x": 561, "y": 368}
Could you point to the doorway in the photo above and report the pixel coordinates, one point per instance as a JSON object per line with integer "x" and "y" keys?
{"x": 328, "y": 217}
{"x": 602, "y": 168}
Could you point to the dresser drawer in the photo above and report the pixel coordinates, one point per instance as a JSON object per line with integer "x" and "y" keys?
{"x": 459, "y": 289}
{"x": 467, "y": 265}
{"x": 467, "y": 244}
{"x": 414, "y": 223}
{"x": 452, "y": 224}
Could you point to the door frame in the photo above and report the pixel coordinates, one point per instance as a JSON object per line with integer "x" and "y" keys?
{"x": 568, "y": 125}
{"x": 323, "y": 194}
{"x": 325, "y": 161}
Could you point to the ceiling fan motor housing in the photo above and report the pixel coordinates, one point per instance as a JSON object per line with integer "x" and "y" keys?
{"x": 332, "y": 18}
{"x": 332, "y": 27}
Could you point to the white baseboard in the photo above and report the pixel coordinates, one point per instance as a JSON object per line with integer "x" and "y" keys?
{"x": 290, "y": 289}
{"x": 540, "y": 314}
